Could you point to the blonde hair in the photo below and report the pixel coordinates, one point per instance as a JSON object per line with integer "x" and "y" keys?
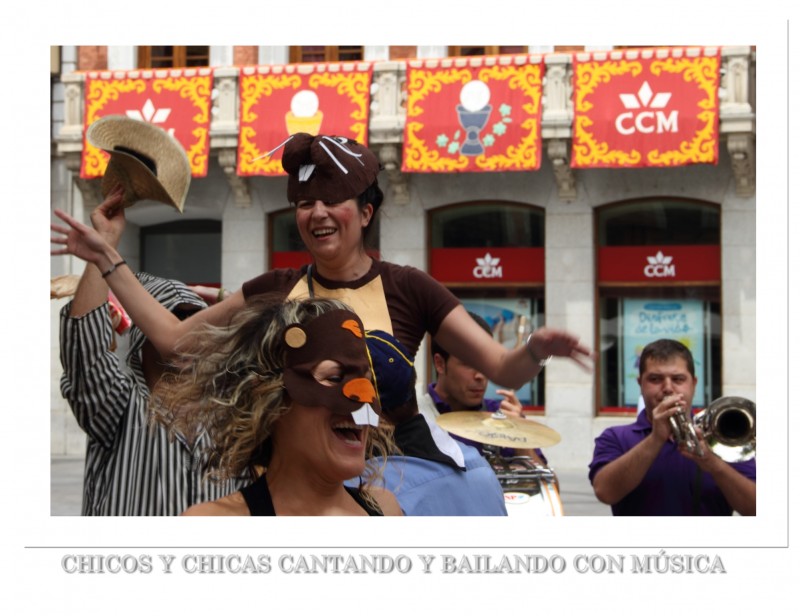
{"x": 231, "y": 384}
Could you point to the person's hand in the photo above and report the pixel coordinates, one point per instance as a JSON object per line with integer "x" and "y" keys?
{"x": 545, "y": 342}
{"x": 210, "y": 295}
{"x": 108, "y": 218}
{"x": 706, "y": 459}
{"x": 510, "y": 405}
{"x": 670, "y": 406}
{"x": 85, "y": 242}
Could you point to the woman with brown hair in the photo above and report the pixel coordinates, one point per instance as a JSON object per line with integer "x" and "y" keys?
{"x": 284, "y": 389}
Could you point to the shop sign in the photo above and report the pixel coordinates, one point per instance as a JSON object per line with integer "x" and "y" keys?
{"x": 487, "y": 265}
{"x": 659, "y": 264}
{"x": 177, "y": 100}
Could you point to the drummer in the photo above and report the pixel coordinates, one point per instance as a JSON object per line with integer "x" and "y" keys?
{"x": 461, "y": 387}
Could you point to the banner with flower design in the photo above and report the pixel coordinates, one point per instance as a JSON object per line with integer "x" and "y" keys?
{"x": 177, "y": 100}
{"x": 278, "y": 101}
{"x": 473, "y": 114}
{"x": 646, "y": 108}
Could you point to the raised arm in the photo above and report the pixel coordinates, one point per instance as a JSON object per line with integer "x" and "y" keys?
{"x": 92, "y": 289}
{"x": 159, "y": 325}
{"x": 465, "y": 339}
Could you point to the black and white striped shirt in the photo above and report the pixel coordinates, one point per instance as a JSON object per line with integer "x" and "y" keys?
{"x": 132, "y": 468}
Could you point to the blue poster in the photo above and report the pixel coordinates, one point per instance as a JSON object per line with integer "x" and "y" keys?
{"x": 510, "y": 320}
{"x": 647, "y": 320}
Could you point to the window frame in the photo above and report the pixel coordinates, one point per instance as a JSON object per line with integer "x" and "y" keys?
{"x": 488, "y": 50}
{"x": 331, "y": 53}
{"x": 180, "y": 57}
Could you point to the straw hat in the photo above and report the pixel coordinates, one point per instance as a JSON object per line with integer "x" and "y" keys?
{"x": 145, "y": 159}
{"x": 63, "y": 286}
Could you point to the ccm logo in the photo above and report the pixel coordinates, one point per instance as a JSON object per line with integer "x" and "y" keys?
{"x": 641, "y": 116}
{"x": 659, "y": 266}
{"x": 488, "y": 267}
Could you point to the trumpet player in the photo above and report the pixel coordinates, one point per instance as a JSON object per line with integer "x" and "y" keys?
{"x": 640, "y": 469}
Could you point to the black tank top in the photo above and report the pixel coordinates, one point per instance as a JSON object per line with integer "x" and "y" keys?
{"x": 259, "y": 501}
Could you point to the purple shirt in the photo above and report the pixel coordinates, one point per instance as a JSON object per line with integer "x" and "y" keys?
{"x": 669, "y": 485}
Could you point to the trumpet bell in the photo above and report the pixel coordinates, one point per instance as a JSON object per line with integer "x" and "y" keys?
{"x": 729, "y": 427}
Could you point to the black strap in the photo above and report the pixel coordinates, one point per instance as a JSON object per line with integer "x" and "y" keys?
{"x": 356, "y": 494}
{"x": 257, "y": 497}
{"x": 259, "y": 502}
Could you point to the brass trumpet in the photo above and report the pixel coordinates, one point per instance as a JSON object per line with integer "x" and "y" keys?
{"x": 728, "y": 425}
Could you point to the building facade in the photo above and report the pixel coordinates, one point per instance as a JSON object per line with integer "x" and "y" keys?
{"x": 615, "y": 255}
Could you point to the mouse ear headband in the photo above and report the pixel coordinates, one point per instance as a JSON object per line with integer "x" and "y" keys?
{"x": 326, "y": 168}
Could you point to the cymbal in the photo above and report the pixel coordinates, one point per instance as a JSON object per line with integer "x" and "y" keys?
{"x": 498, "y": 429}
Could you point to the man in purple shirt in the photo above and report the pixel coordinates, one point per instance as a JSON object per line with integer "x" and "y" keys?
{"x": 639, "y": 470}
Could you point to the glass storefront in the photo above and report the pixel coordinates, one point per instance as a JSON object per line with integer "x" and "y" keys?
{"x": 491, "y": 256}
{"x": 658, "y": 277}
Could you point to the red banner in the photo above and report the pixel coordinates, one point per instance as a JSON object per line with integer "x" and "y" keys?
{"x": 278, "y": 101}
{"x": 487, "y": 265}
{"x": 177, "y": 100}
{"x": 646, "y": 108}
{"x": 473, "y": 114}
{"x": 659, "y": 264}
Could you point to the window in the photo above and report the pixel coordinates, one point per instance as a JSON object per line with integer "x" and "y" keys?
{"x": 169, "y": 56}
{"x": 189, "y": 251}
{"x": 486, "y": 50}
{"x": 658, "y": 221}
{"x": 326, "y": 53}
{"x": 660, "y": 296}
{"x": 507, "y": 288}
{"x": 487, "y": 225}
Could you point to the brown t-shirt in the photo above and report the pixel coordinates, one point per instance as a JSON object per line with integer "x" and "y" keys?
{"x": 400, "y": 300}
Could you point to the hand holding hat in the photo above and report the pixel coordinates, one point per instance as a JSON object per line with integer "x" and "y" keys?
{"x": 146, "y": 160}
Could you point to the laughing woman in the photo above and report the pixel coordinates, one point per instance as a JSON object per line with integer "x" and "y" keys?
{"x": 284, "y": 389}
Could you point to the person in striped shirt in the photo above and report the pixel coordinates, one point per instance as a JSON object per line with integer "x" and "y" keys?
{"x": 132, "y": 468}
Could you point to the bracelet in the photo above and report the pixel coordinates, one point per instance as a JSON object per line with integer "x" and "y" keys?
{"x": 540, "y": 362}
{"x": 113, "y": 267}
{"x": 221, "y": 294}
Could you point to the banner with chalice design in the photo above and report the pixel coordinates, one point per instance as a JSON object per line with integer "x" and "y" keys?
{"x": 473, "y": 114}
{"x": 279, "y": 101}
{"x": 177, "y": 100}
{"x": 646, "y": 107}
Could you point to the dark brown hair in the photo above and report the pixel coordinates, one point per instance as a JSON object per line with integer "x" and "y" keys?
{"x": 664, "y": 350}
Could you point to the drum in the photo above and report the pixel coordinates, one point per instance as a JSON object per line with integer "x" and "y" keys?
{"x": 530, "y": 489}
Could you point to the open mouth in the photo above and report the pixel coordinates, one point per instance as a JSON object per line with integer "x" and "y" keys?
{"x": 323, "y": 232}
{"x": 349, "y": 433}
